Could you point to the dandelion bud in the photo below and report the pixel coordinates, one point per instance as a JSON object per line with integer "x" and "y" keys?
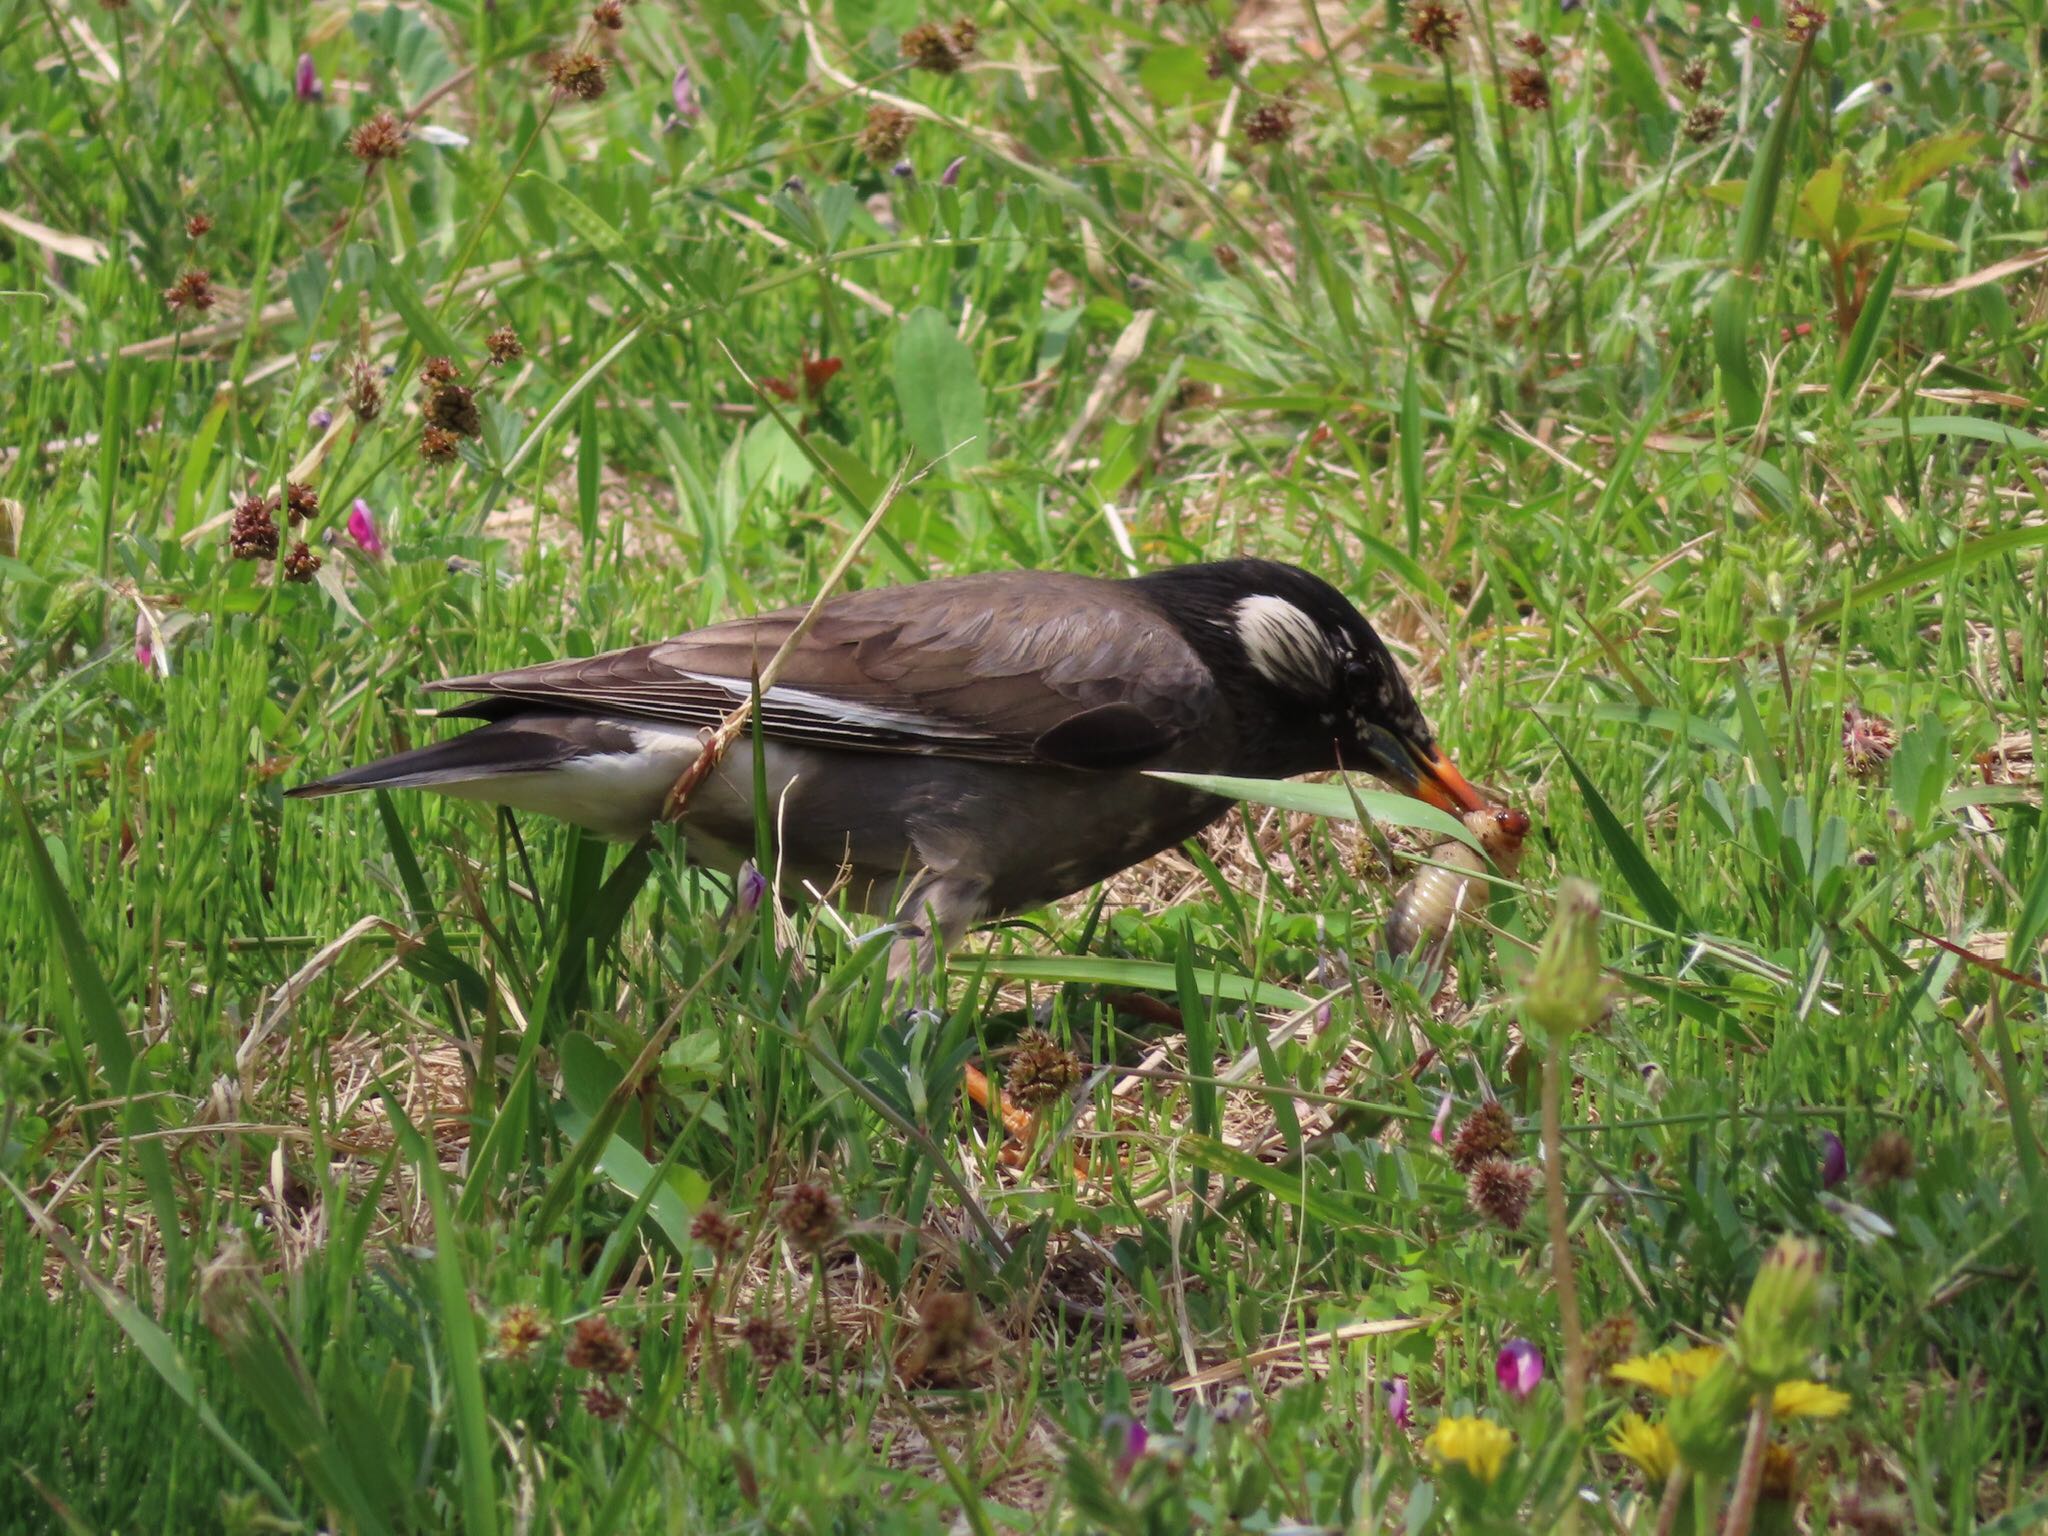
{"x": 1567, "y": 991}
{"x": 1780, "y": 1327}
{"x": 1707, "y": 1423}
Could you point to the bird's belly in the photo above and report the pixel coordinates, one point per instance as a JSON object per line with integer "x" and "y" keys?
{"x": 1026, "y": 836}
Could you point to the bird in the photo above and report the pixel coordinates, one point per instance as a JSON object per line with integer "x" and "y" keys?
{"x": 956, "y": 750}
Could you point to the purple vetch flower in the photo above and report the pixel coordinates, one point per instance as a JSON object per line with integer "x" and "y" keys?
{"x": 1135, "y": 1439}
{"x": 362, "y": 527}
{"x": 682, "y": 95}
{"x": 1834, "y": 1160}
{"x": 903, "y": 170}
{"x": 306, "y": 80}
{"x": 1443, "y": 1118}
{"x": 145, "y": 641}
{"x": 321, "y": 419}
{"x": 1398, "y": 1408}
{"x": 1519, "y": 1369}
{"x": 751, "y": 886}
{"x": 2017, "y": 166}
{"x": 950, "y": 176}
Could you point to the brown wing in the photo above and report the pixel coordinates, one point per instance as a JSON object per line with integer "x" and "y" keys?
{"x": 1023, "y": 667}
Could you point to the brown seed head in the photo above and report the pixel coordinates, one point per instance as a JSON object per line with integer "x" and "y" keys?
{"x": 365, "y": 393}
{"x": 253, "y": 535}
{"x": 610, "y": 15}
{"x": 597, "y": 1346}
{"x": 1531, "y": 46}
{"x": 927, "y": 46}
{"x": 382, "y": 137}
{"x": 1887, "y": 1160}
{"x": 519, "y": 1331}
{"x": 887, "y": 131}
{"x": 948, "y": 1320}
{"x": 438, "y": 370}
{"x": 769, "y": 1341}
{"x": 197, "y": 226}
{"x": 949, "y": 1331}
{"x": 1272, "y": 123}
{"x": 438, "y": 446}
{"x": 1703, "y": 122}
{"x": 1489, "y": 1131}
{"x": 504, "y": 345}
{"x": 300, "y": 502}
{"x": 1529, "y": 88}
{"x": 1227, "y": 258}
{"x": 1432, "y": 28}
{"x": 578, "y": 75}
{"x": 1868, "y": 742}
{"x": 1500, "y": 1190}
{"x": 716, "y": 1230}
{"x": 300, "y": 562}
{"x": 1041, "y": 1072}
{"x": 452, "y": 408}
{"x": 810, "y": 1217}
{"x": 1693, "y": 75}
{"x": 1226, "y": 53}
{"x": 602, "y": 1403}
{"x": 1803, "y": 21}
{"x": 192, "y": 290}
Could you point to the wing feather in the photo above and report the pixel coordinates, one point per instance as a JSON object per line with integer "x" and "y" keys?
{"x": 1022, "y": 667}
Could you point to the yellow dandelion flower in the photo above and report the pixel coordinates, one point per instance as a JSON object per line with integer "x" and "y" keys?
{"x": 1647, "y": 1445}
{"x": 1807, "y": 1400}
{"x": 1670, "y": 1371}
{"x": 1478, "y": 1446}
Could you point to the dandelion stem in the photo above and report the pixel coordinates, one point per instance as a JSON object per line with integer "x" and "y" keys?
{"x": 1560, "y": 1236}
{"x": 1749, "y": 1479}
{"x": 1673, "y": 1501}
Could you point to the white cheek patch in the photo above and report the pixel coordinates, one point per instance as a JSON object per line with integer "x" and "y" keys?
{"x": 1286, "y": 646}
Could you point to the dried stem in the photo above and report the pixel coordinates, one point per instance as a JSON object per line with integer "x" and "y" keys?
{"x": 1560, "y": 1236}
{"x": 1742, "y": 1507}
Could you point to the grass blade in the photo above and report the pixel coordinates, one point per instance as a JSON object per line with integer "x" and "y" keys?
{"x": 479, "y": 1494}
{"x": 1863, "y": 340}
{"x": 1651, "y": 892}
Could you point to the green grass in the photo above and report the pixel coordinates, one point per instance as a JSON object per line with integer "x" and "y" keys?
{"x": 1649, "y": 455}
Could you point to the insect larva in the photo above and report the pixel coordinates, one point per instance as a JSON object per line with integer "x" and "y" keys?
{"x": 1425, "y": 907}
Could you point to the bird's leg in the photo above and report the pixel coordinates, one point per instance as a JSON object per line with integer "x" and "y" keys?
{"x": 934, "y": 911}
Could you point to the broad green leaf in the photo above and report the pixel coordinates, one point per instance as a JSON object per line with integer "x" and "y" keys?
{"x": 1139, "y": 975}
{"x": 1820, "y": 200}
{"x": 1920, "y": 163}
{"x": 1335, "y": 801}
{"x": 942, "y": 400}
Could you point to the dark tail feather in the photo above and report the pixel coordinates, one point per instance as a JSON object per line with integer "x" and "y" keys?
{"x": 506, "y": 746}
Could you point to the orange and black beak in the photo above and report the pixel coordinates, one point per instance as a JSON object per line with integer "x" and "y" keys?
{"x": 1419, "y": 770}
{"x": 1439, "y": 783}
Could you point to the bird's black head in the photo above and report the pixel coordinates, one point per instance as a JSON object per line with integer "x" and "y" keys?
{"x": 1305, "y": 671}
